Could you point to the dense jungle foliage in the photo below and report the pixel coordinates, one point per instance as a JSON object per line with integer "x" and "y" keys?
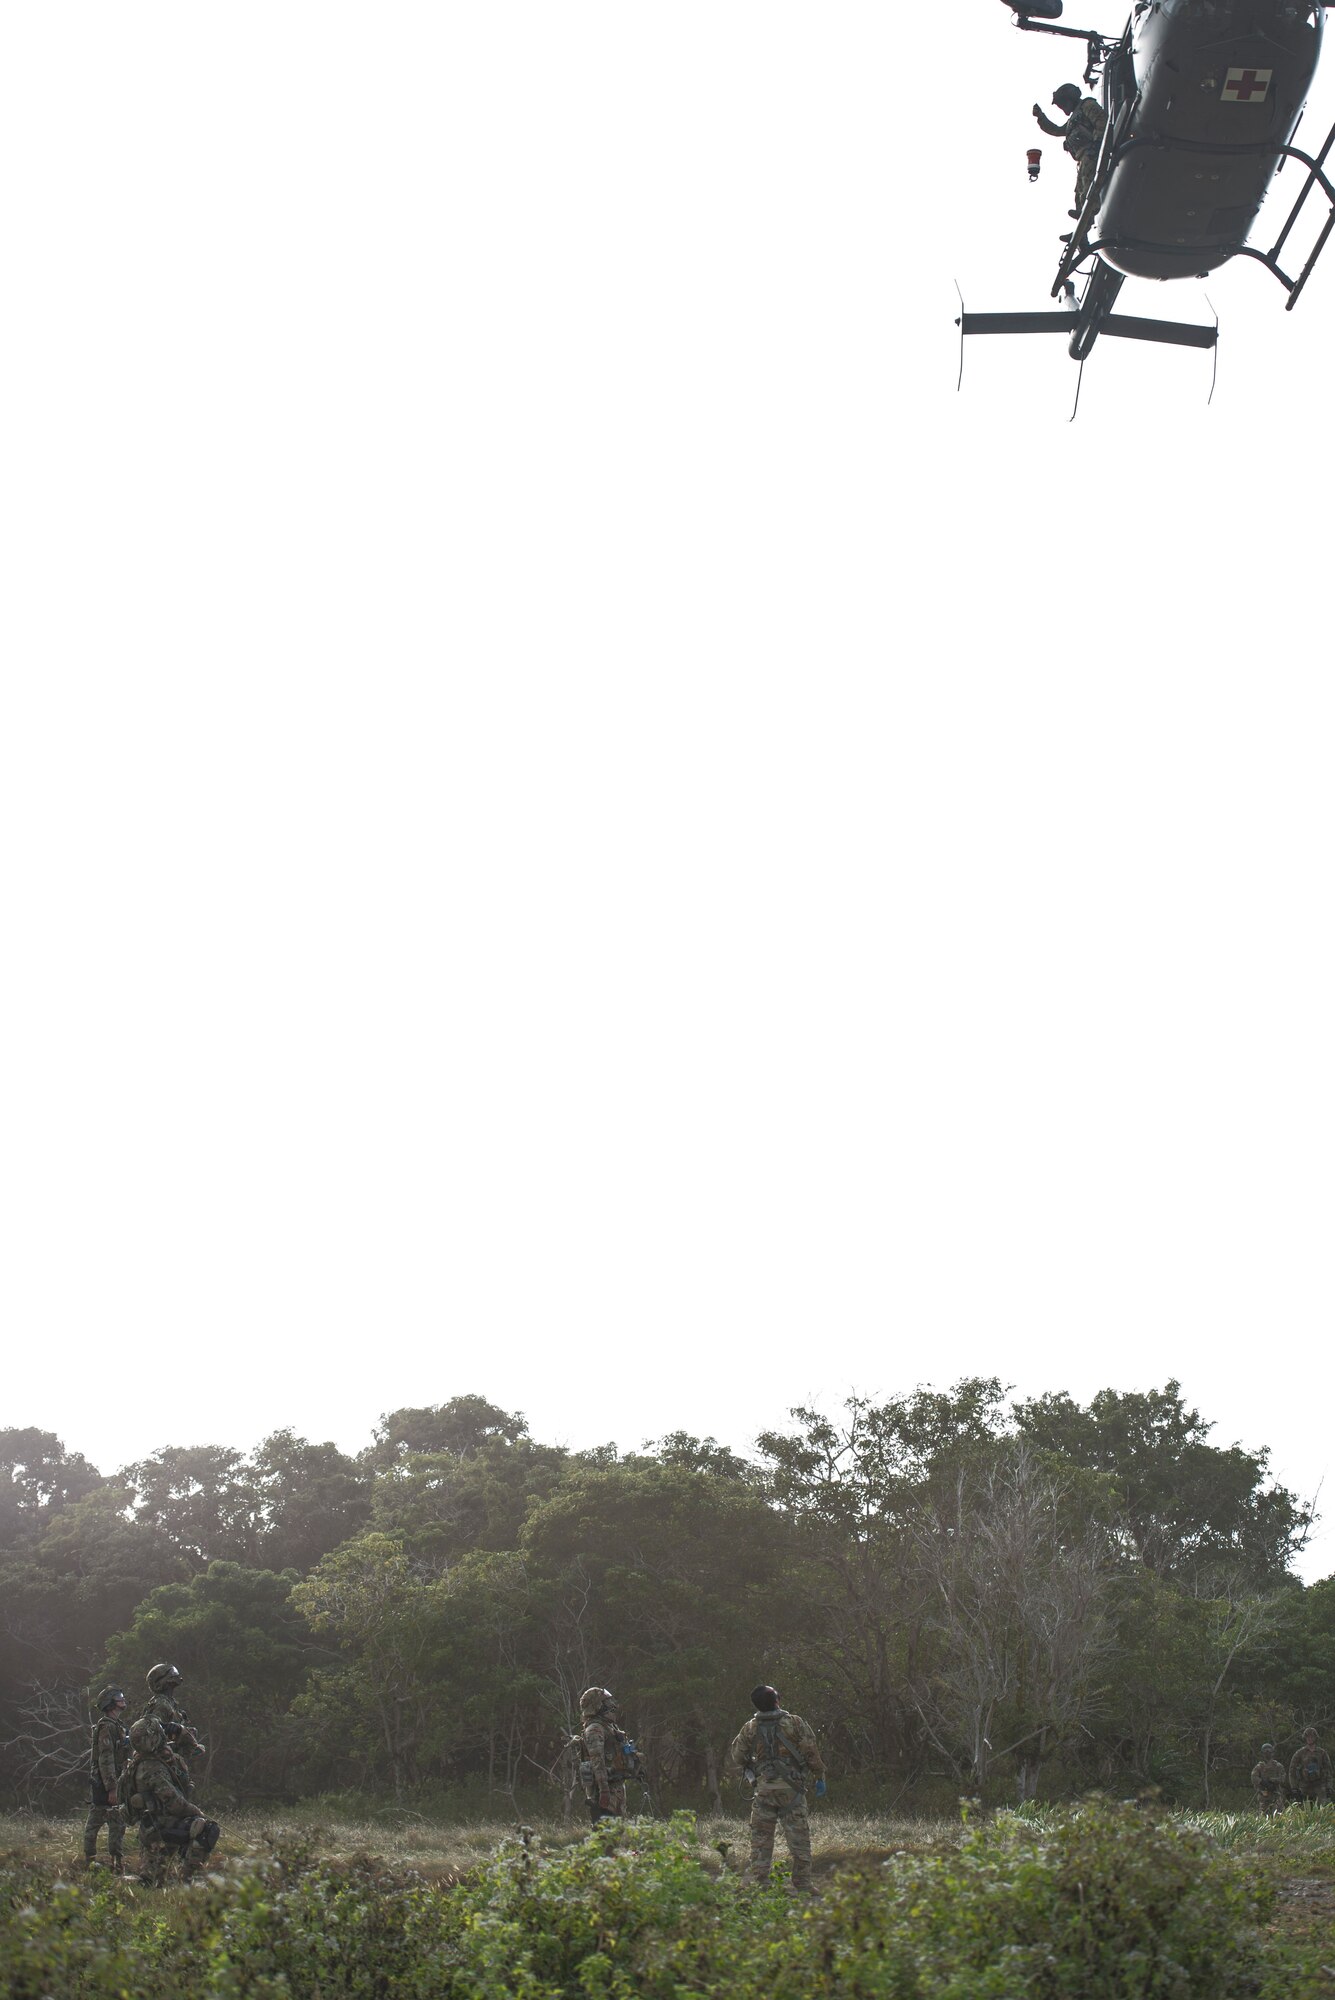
{"x": 960, "y": 1594}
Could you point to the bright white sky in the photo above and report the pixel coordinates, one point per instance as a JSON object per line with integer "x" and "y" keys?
{"x": 574, "y": 823}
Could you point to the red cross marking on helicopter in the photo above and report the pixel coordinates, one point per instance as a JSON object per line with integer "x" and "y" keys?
{"x": 1242, "y": 85}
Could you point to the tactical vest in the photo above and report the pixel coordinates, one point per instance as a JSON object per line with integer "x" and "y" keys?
{"x": 775, "y": 1756}
{"x": 120, "y": 1744}
{"x": 614, "y": 1751}
{"x": 165, "y": 1709}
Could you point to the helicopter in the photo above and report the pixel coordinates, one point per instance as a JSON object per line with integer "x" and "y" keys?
{"x": 1202, "y": 102}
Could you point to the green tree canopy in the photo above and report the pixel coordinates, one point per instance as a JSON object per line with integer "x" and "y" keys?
{"x": 1191, "y": 1509}
{"x": 201, "y": 1498}
{"x": 37, "y": 1478}
{"x": 244, "y": 1651}
{"x": 307, "y": 1499}
{"x": 462, "y": 1425}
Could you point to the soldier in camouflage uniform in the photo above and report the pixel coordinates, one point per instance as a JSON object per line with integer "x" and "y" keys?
{"x": 111, "y": 1749}
{"x": 170, "y": 1824}
{"x": 1268, "y": 1781}
{"x": 163, "y": 1707}
{"x": 1309, "y": 1771}
{"x": 601, "y": 1748}
{"x": 777, "y": 1752}
{"x": 1081, "y": 135}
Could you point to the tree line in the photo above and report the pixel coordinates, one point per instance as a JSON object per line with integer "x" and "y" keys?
{"x": 958, "y": 1591}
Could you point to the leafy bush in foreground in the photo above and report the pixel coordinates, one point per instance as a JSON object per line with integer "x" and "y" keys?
{"x": 1100, "y": 1903}
{"x": 1103, "y": 1903}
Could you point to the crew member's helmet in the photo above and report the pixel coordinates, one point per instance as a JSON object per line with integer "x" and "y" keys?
{"x": 147, "y": 1735}
{"x": 594, "y": 1699}
{"x": 109, "y": 1697}
{"x": 1066, "y": 96}
{"x": 163, "y": 1676}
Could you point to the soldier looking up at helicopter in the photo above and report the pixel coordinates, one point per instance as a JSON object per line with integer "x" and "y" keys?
{"x": 1081, "y": 135}
{"x": 607, "y": 1756}
{"x": 163, "y": 1707}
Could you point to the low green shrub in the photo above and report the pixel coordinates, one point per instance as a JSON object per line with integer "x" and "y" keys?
{"x": 60, "y": 1939}
{"x": 1098, "y": 1903}
{"x": 1103, "y": 1903}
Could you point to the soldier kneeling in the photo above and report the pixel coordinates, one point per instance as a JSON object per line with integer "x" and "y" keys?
{"x": 171, "y": 1826}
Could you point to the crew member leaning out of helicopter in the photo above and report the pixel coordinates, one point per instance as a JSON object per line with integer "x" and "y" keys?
{"x": 1081, "y": 135}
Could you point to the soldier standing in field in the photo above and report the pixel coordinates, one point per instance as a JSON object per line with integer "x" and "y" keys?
{"x": 777, "y": 1753}
{"x": 1309, "y": 1771}
{"x": 111, "y": 1749}
{"x": 604, "y": 1764}
{"x": 169, "y": 1822}
{"x": 163, "y": 1707}
{"x": 1268, "y": 1781}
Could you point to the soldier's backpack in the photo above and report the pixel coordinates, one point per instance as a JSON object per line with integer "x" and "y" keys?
{"x": 619, "y": 1765}
{"x": 776, "y": 1758}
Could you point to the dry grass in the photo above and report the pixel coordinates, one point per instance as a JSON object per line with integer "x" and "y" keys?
{"x": 440, "y": 1849}
{"x": 437, "y": 1849}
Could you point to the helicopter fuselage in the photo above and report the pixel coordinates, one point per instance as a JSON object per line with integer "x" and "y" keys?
{"x": 1203, "y": 101}
{"x": 1203, "y": 97}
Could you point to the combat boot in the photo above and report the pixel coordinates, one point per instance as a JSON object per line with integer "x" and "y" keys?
{"x": 118, "y": 1864}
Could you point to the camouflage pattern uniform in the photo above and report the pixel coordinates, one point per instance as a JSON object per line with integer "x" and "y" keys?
{"x": 110, "y": 1752}
{"x": 1309, "y": 1771}
{"x": 603, "y": 1767}
{"x": 783, "y": 1753}
{"x": 164, "y": 1708}
{"x": 1268, "y": 1780}
{"x": 1081, "y": 137}
{"x": 169, "y": 1823}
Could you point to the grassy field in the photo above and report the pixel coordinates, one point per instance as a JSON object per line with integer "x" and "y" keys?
{"x": 1299, "y": 1841}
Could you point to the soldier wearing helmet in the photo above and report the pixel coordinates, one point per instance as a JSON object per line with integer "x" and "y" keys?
{"x": 1268, "y": 1780}
{"x": 110, "y": 1752}
{"x": 1081, "y": 135}
{"x": 778, "y": 1754}
{"x": 170, "y": 1824}
{"x": 1310, "y": 1777}
{"x": 604, "y": 1760}
{"x": 163, "y": 1707}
